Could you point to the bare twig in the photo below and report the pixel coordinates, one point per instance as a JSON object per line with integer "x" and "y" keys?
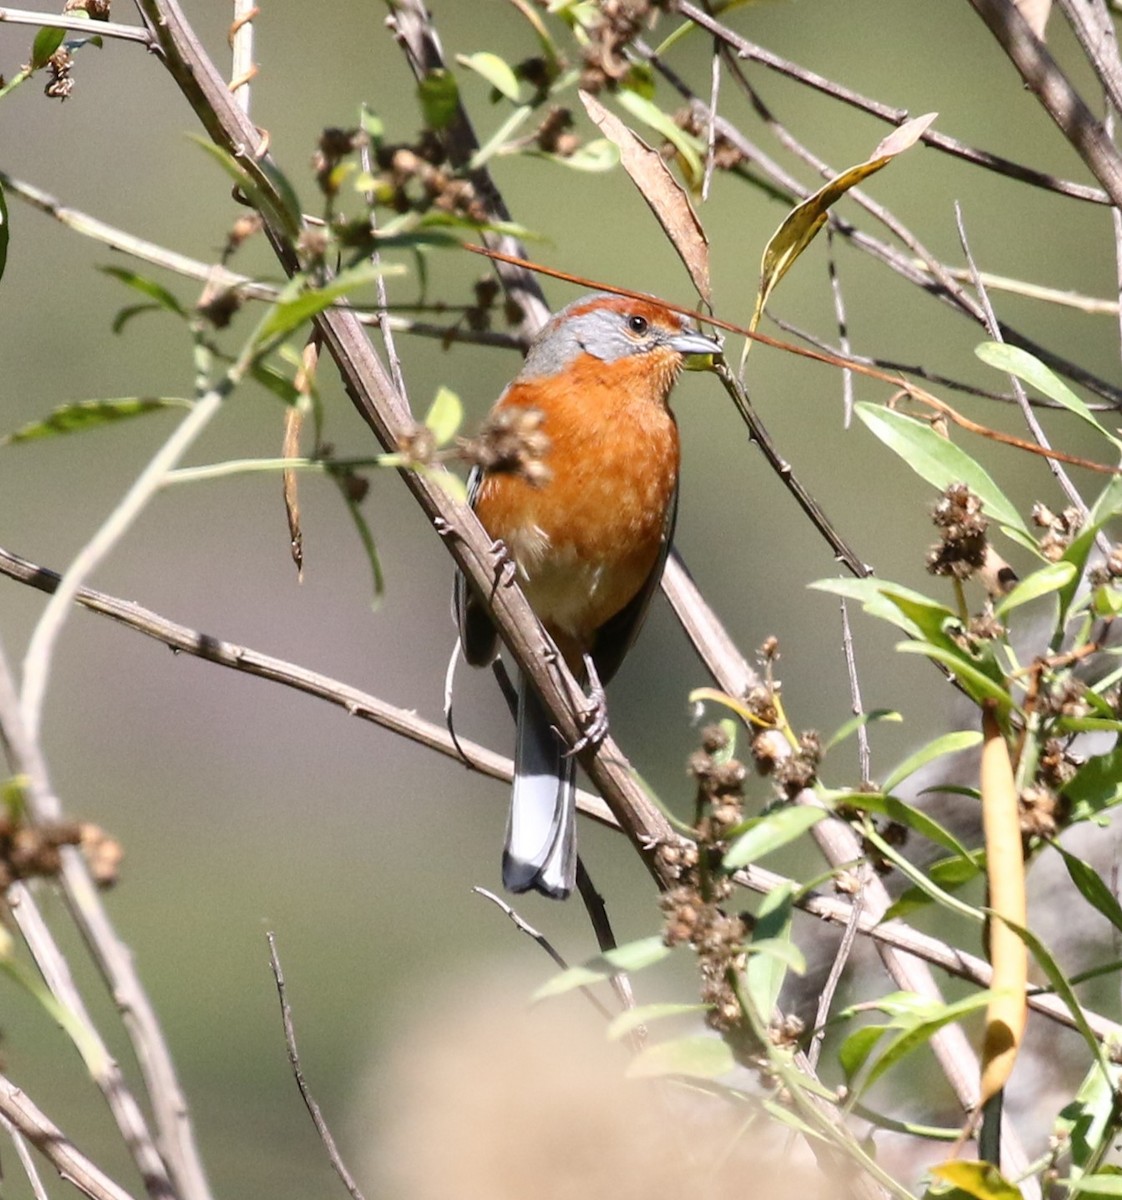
{"x": 71, "y": 1164}
{"x": 829, "y": 990}
{"x": 242, "y": 67}
{"x": 864, "y": 758}
{"x": 108, "y": 29}
{"x": 888, "y": 113}
{"x": 25, "y": 760}
{"x": 336, "y": 1159}
{"x": 1045, "y": 79}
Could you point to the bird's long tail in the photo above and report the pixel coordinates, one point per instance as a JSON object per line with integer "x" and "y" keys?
{"x": 541, "y": 844}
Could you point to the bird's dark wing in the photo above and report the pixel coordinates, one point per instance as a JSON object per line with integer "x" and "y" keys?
{"x": 615, "y": 636}
{"x": 478, "y": 638}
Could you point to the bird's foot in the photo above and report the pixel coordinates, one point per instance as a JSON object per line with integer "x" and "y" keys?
{"x": 593, "y": 719}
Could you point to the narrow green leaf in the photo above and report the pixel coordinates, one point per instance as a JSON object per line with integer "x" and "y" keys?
{"x": 1063, "y": 989}
{"x": 771, "y": 832}
{"x": 444, "y": 416}
{"x": 595, "y": 157}
{"x": 47, "y": 41}
{"x": 630, "y": 957}
{"x": 947, "y": 743}
{"x": 859, "y": 722}
{"x": 948, "y": 874}
{"x": 782, "y": 950}
{"x": 1051, "y": 578}
{"x": 644, "y": 1014}
{"x": 981, "y": 1180}
{"x": 495, "y": 70}
{"x": 693, "y": 1057}
{"x": 924, "y": 882}
{"x": 764, "y": 973}
{"x": 440, "y": 98}
{"x": 155, "y": 292}
{"x": 854, "y": 1052}
{"x": 1096, "y": 786}
{"x": 653, "y": 116}
{"x": 975, "y": 682}
{"x": 1091, "y": 886}
{"x": 940, "y": 461}
{"x": 290, "y": 313}
{"x": 89, "y": 414}
{"x": 369, "y": 546}
{"x": 911, "y": 611}
{"x": 919, "y": 1034}
{"x": 277, "y": 197}
{"x": 1015, "y": 361}
{"x": 905, "y": 814}
{"x": 1105, "y": 1182}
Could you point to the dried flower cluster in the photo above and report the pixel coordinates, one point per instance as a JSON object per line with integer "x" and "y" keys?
{"x": 1059, "y": 529}
{"x": 511, "y": 440}
{"x": 28, "y": 851}
{"x": 615, "y": 24}
{"x": 961, "y": 550}
{"x": 693, "y": 907}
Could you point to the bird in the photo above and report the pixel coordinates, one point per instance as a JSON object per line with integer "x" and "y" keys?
{"x": 588, "y": 539}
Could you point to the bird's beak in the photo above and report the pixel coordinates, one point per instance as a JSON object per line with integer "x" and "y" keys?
{"x": 697, "y": 348}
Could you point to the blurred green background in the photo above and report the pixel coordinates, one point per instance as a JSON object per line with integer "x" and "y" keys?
{"x": 244, "y": 807}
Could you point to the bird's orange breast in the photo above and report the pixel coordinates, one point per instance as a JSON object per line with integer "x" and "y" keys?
{"x": 585, "y": 542}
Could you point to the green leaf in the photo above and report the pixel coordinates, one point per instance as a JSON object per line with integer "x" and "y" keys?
{"x": 291, "y": 311}
{"x": 444, "y": 416}
{"x": 47, "y": 41}
{"x": 854, "y": 1052}
{"x": 911, "y": 1039}
{"x": 911, "y": 818}
{"x": 947, "y": 743}
{"x": 948, "y": 874}
{"x": 633, "y": 956}
{"x": 5, "y": 231}
{"x": 859, "y": 722}
{"x": 451, "y": 484}
{"x": 782, "y": 949}
{"x": 89, "y": 414}
{"x": 1063, "y": 989}
{"x": 764, "y": 973}
{"x": 941, "y": 462}
{"x": 274, "y": 196}
{"x": 1096, "y": 786}
{"x": 440, "y": 98}
{"x": 696, "y": 1057}
{"x": 154, "y": 291}
{"x": 369, "y": 546}
{"x": 643, "y": 1014}
{"x": 1091, "y": 886}
{"x": 1015, "y": 361}
{"x": 1104, "y": 1182}
{"x": 653, "y": 116}
{"x": 1054, "y": 577}
{"x": 889, "y": 602}
{"x": 595, "y": 157}
{"x": 925, "y": 883}
{"x": 771, "y": 832}
{"x": 495, "y": 70}
{"x": 981, "y": 1180}
{"x": 976, "y": 683}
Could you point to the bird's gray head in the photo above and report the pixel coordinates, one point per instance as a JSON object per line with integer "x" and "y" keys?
{"x": 611, "y": 328}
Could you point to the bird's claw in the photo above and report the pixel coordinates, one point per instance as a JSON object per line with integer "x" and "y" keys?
{"x": 594, "y": 718}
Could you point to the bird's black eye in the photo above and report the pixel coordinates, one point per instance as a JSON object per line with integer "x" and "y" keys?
{"x": 638, "y": 325}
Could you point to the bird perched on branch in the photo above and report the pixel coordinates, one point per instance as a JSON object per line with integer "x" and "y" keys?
{"x": 588, "y": 541}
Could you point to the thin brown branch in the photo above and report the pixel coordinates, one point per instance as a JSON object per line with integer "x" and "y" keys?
{"x": 750, "y": 51}
{"x": 1044, "y": 78}
{"x": 71, "y": 1164}
{"x": 26, "y": 761}
{"x": 108, "y": 29}
{"x": 314, "y": 1111}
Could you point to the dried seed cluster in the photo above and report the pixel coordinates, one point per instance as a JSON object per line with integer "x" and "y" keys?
{"x": 693, "y": 908}
{"x": 610, "y": 31}
{"x": 28, "y": 851}
{"x": 511, "y": 440}
{"x": 1059, "y": 529}
{"x": 961, "y": 550}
